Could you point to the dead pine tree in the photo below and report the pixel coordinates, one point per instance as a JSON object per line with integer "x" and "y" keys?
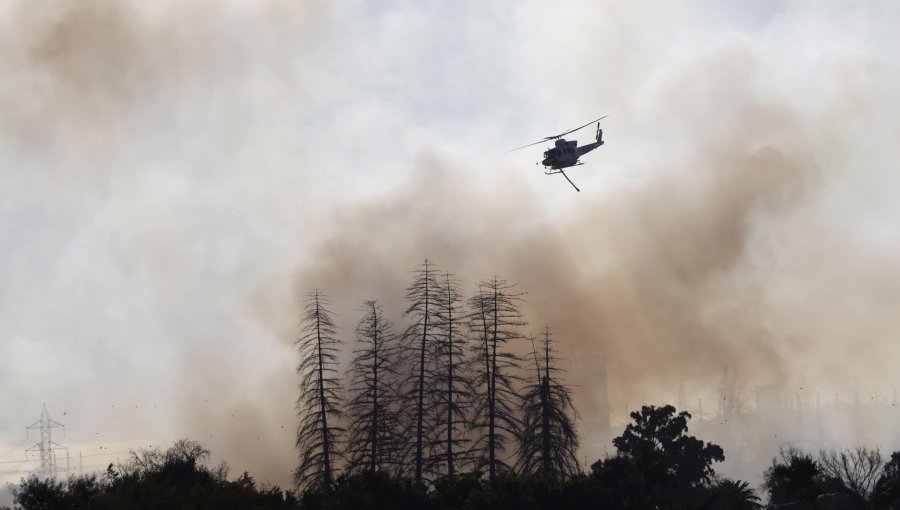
{"x": 495, "y": 322}
{"x": 318, "y": 404}
{"x": 548, "y": 442}
{"x": 453, "y": 395}
{"x": 374, "y": 441}
{"x": 420, "y": 345}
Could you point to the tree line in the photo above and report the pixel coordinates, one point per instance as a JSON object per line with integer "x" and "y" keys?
{"x": 656, "y": 465}
{"x": 445, "y": 414}
{"x": 448, "y": 393}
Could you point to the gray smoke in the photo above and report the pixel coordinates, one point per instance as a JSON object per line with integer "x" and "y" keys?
{"x": 734, "y": 232}
{"x": 149, "y": 170}
{"x": 177, "y": 175}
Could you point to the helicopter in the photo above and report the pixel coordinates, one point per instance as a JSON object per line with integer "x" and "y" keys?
{"x": 565, "y": 154}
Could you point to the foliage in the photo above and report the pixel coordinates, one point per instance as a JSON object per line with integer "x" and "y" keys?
{"x": 659, "y": 431}
{"x": 797, "y": 477}
{"x": 728, "y": 494}
{"x": 318, "y": 404}
{"x": 633, "y": 482}
{"x": 178, "y": 478}
{"x": 175, "y": 479}
{"x": 368, "y": 490}
{"x": 47, "y": 494}
{"x": 887, "y": 487}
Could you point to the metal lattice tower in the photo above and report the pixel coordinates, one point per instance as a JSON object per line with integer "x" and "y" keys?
{"x": 46, "y": 448}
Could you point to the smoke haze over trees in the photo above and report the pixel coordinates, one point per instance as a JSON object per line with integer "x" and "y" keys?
{"x": 161, "y": 162}
{"x": 449, "y": 393}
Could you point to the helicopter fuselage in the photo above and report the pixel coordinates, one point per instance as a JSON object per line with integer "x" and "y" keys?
{"x": 566, "y": 153}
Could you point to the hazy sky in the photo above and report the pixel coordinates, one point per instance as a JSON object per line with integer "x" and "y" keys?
{"x": 174, "y": 176}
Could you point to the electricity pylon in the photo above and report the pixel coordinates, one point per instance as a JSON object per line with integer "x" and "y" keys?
{"x": 46, "y": 448}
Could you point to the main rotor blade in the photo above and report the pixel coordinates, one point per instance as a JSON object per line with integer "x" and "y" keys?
{"x": 557, "y": 137}
{"x": 530, "y": 144}
{"x": 581, "y": 127}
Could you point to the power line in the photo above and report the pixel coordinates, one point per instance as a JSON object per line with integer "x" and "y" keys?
{"x": 18, "y": 461}
{"x": 105, "y": 454}
{"x": 14, "y": 448}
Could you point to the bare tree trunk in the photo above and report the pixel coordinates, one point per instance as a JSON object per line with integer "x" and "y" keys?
{"x": 373, "y": 433}
{"x": 423, "y": 345}
{"x": 420, "y": 409}
{"x": 326, "y": 446}
{"x": 545, "y": 415}
{"x": 492, "y": 394}
{"x": 450, "y": 388}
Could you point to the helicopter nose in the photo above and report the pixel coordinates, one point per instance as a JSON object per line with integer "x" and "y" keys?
{"x": 546, "y": 162}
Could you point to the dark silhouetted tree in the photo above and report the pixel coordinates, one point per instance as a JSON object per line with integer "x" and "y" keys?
{"x": 548, "y": 442}
{"x": 795, "y": 478}
{"x": 453, "y": 384}
{"x": 175, "y": 479}
{"x": 728, "y": 494}
{"x": 660, "y": 430}
{"x": 420, "y": 342}
{"x": 374, "y": 434}
{"x": 318, "y": 404}
{"x": 40, "y": 494}
{"x": 623, "y": 481}
{"x": 887, "y": 487}
{"x": 855, "y": 469}
{"x": 370, "y": 490}
{"x": 495, "y": 323}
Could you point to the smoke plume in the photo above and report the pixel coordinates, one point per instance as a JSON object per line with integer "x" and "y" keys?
{"x": 177, "y": 175}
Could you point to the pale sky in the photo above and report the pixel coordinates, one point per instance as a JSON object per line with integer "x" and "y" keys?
{"x": 174, "y": 176}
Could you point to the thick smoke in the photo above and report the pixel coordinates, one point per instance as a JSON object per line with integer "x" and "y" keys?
{"x": 177, "y": 175}
{"x": 729, "y": 250}
{"x": 140, "y": 144}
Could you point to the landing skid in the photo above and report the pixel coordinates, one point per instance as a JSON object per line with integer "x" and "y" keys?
{"x": 560, "y": 171}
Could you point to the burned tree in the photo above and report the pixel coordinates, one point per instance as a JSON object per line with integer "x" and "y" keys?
{"x": 495, "y": 322}
{"x": 549, "y": 441}
{"x": 420, "y": 345}
{"x": 374, "y": 439}
{"x": 318, "y": 403}
{"x": 452, "y": 383}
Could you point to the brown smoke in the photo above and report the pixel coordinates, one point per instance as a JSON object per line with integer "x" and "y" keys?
{"x": 125, "y": 125}
{"x": 679, "y": 276}
{"x": 175, "y": 182}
